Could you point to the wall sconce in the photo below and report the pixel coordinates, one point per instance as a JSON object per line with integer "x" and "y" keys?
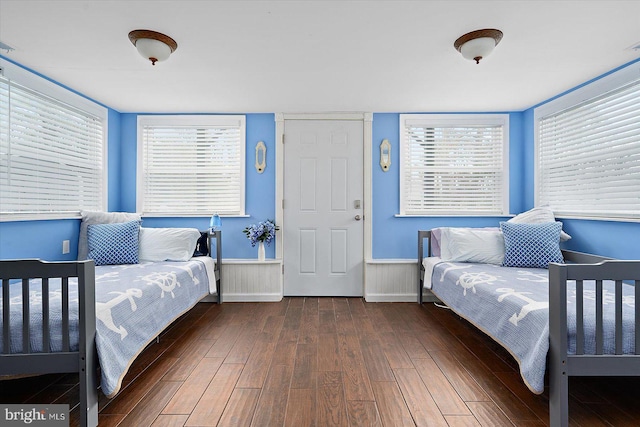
{"x": 261, "y": 157}
{"x": 478, "y": 44}
{"x": 385, "y": 155}
{"x": 152, "y": 45}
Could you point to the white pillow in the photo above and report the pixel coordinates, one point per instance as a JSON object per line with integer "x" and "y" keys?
{"x": 472, "y": 245}
{"x": 537, "y": 216}
{"x": 167, "y": 244}
{"x": 98, "y": 217}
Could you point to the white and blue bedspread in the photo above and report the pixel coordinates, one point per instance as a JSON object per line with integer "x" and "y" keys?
{"x": 511, "y": 305}
{"x": 134, "y": 303}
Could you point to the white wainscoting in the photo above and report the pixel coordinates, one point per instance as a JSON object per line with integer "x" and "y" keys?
{"x": 251, "y": 280}
{"x": 393, "y": 280}
{"x": 386, "y": 280}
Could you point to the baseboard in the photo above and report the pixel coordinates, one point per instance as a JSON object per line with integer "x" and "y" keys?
{"x": 391, "y": 298}
{"x": 242, "y": 297}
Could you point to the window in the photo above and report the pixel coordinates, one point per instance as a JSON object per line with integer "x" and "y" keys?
{"x": 52, "y": 149}
{"x": 191, "y": 165}
{"x": 588, "y": 149}
{"x": 454, "y": 164}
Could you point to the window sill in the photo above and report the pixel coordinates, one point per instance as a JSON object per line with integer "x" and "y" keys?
{"x": 450, "y": 215}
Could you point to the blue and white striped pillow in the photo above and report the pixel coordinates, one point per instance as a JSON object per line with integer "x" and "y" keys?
{"x": 113, "y": 243}
{"x": 531, "y": 245}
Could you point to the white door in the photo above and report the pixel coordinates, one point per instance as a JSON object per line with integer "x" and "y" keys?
{"x": 323, "y": 224}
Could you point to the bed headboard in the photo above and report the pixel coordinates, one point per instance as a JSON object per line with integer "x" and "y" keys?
{"x": 422, "y": 234}
{"x": 217, "y": 236}
{"x": 572, "y": 257}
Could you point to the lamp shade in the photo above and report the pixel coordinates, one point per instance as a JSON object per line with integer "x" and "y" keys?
{"x": 152, "y": 45}
{"x": 478, "y": 44}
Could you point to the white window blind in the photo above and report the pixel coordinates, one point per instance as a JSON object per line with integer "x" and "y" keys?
{"x": 191, "y": 165}
{"x": 453, "y": 164}
{"x": 51, "y": 155}
{"x": 589, "y": 156}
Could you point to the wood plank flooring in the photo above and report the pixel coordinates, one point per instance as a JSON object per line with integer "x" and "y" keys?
{"x": 330, "y": 362}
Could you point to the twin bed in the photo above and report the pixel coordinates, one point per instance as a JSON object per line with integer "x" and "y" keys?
{"x": 75, "y": 316}
{"x": 577, "y": 316}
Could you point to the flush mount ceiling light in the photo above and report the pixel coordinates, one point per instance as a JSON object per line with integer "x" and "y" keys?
{"x": 152, "y": 45}
{"x": 478, "y": 44}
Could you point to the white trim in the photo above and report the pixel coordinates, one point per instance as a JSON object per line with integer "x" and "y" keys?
{"x": 322, "y": 116}
{"x": 368, "y": 190}
{"x": 60, "y": 93}
{"x": 379, "y": 261}
{"x": 391, "y": 298}
{"x": 152, "y": 215}
{"x": 426, "y": 297}
{"x": 279, "y": 119}
{"x": 367, "y": 119}
{"x": 445, "y": 120}
{"x": 235, "y": 297}
{"x": 191, "y": 120}
{"x": 250, "y": 261}
{"x": 52, "y": 217}
{"x": 609, "y": 82}
{"x": 478, "y": 215}
{"x": 589, "y": 91}
{"x": 603, "y": 218}
{"x": 40, "y": 84}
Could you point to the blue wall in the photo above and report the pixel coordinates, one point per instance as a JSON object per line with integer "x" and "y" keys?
{"x": 260, "y": 188}
{"x": 39, "y": 239}
{"x": 393, "y": 237}
{"x": 114, "y": 163}
{"x": 615, "y": 239}
{"x": 43, "y": 238}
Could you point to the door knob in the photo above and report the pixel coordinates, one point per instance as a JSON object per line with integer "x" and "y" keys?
{"x": 357, "y": 217}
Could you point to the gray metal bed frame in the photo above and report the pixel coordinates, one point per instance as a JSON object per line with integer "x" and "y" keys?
{"x": 85, "y": 360}
{"x": 579, "y": 267}
{"x": 217, "y": 236}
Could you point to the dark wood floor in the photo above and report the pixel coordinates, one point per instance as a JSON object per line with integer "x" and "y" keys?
{"x": 330, "y": 361}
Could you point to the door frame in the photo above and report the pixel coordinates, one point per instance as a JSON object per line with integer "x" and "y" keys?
{"x": 367, "y": 122}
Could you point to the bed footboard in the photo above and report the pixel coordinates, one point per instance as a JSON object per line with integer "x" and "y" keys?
{"x": 85, "y": 360}
{"x": 561, "y": 364}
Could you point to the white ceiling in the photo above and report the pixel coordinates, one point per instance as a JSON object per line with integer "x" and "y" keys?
{"x": 320, "y": 56}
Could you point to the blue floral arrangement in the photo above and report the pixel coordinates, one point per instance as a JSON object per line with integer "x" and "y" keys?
{"x": 264, "y": 231}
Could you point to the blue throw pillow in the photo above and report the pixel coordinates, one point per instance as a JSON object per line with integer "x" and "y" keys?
{"x": 113, "y": 243}
{"x": 531, "y": 245}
